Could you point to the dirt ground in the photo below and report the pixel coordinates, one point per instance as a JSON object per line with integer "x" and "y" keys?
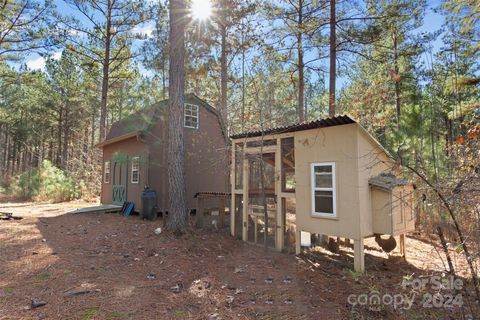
{"x": 106, "y": 266}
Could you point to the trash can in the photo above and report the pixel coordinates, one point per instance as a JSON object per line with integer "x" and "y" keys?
{"x": 149, "y": 204}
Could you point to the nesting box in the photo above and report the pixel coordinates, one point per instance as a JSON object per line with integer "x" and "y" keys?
{"x": 392, "y": 205}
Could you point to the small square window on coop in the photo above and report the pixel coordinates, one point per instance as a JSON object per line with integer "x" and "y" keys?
{"x": 392, "y": 205}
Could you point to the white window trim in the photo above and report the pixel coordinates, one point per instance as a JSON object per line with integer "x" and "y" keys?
{"x": 198, "y": 116}
{"x": 105, "y": 172}
{"x": 333, "y": 189}
{"x": 138, "y": 170}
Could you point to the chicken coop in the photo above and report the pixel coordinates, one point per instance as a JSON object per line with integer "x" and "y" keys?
{"x": 328, "y": 177}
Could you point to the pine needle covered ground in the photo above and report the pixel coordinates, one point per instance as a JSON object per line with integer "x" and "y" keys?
{"x": 105, "y": 266}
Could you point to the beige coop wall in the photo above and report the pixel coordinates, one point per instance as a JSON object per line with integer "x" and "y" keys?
{"x": 333, "y": 144}
{"x": 372, "y": 161}
{"x": 382, "y": 211}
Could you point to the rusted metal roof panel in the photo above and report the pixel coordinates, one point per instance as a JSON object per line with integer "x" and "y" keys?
{"x": 320, "y": 123}
{"x": 387, "y": 181}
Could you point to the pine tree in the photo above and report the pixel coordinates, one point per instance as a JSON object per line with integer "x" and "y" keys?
{"x": 177, "y": 212}
{"x": 106, "y": 40}
{"x": 25, "y": 26}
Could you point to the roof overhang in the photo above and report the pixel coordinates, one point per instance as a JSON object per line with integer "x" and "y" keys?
{"x": 387, "y": 181}
{"x": 320, "y": 123}
{"x": 117, "y": 139}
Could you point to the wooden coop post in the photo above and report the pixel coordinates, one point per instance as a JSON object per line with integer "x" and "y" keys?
{"x": 232, "y": 202}
{"x": 359, "y": 255}
{"x": 199, "y": 214}
{"x": 245, "y": 200}
{"x": 403, "y": 252}
{"x": 221, "y": 212}
{"x": 279, "y": 232}
{"x": 298, "y": 239}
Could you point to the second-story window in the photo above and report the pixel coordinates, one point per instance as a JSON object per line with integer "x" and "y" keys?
{"x": 191, "y": 116}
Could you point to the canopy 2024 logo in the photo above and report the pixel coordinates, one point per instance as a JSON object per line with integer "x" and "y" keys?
{"x": 446, "y": 291}
{"x": 446, "y": 294}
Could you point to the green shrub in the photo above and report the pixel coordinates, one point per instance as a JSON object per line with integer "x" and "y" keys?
{"x": 45, "y": 183}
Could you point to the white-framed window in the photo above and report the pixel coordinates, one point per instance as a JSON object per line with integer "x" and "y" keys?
{"x": 191, "y": 116}
{"x": 135, "y": 169}
{"x": 106, "y": 172}
{"x": 324, "y": 199}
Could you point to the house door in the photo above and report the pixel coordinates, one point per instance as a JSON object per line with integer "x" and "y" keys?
{"x": 119, "y": 181}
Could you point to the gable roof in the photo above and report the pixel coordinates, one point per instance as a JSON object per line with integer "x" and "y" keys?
{"x": 137, "y": 122}
{"x": 143, "y": 120}
{"x": 315, "y": 124}
{"x": 320, "y": 123}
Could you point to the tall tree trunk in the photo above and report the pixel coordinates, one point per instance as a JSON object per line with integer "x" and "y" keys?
{"x": 13, "y": 159}
{"x": 18, "y": 152}
{"x": 85, "y": 145}
{"x": 6, "y": 149}
{"x": 223, "y": 73}
{"x": 177, "y": 212}
{"x": 66, "y": 139}
{"x": 92, "y": 131}
{"x": 333, "y": 59}
{"x": 58, "y": 159}
{"x": 396, "y": 77}
{"x": 3, "y": 135}
{"x": 51, "y": 152}
{"x": 42, "y": 151}
{"x": 105, "y": 76}
{"x": 301, "y": 78}
{"x": 243, "y": 81}
{"x": 164, "y": 79}
{"x": 432, "y": 140}
{"x": 7, "y": 156}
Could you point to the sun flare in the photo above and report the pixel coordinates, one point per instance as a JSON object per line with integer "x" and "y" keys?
{"x": 201, "y": 9}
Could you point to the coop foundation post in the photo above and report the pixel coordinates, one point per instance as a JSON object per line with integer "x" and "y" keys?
{"x": 199, "y": 212}
{"x": 279, "y": 222}
{"x": 245, "y": 201}
{"x": 233, "y": 214}
{"x": 347, "y": 242}
{"x": 402, "y": 247}
{"x": 233, "y": 205}
{"x": 221, "y": 213}
{"x": 298, "y": 239}
{"x": 359, "y": 256}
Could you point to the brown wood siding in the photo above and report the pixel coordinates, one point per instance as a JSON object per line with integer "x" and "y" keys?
{"x": 205, "y": 157}
{"x": 206, "y": 165}
{"x": 130, "y": 147}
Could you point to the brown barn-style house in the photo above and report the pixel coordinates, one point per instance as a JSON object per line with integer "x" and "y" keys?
{"x": 326, "y": 177}
{"x": 135, "y": 154}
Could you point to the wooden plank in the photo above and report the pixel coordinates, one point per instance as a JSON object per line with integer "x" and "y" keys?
{"x": 279, "y": 235}
{"x": 245, "y": 200}
{"x": 266, "y": 137}
{"x": 221, "y": 212}
{"x": 199, "y": 212}
{"x": 358, "y": 255}
{"x": 232, "y": 202}
{"x": 402, "y": 247}
{"x": 98, "y": 209}
{"x": 258, "y": 150}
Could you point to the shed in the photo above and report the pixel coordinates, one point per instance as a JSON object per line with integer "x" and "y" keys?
{"x": 135, "y": 154}
{"x": 325, "y": 177}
